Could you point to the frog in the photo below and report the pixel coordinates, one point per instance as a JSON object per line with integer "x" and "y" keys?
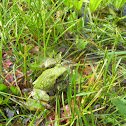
{"x": 51, "y": 79}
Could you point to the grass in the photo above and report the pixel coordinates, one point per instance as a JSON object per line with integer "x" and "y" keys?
{"x": 32, "y": 31}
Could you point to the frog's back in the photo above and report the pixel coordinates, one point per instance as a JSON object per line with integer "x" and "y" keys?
{"x": 47, "y": 79}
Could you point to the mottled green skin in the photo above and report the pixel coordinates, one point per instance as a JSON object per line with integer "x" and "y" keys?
{"x": 47, "y": 80}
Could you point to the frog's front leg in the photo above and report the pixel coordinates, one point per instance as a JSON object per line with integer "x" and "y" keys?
{"x": 40, "y": 95}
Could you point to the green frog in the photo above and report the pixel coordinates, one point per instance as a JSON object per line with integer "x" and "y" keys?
{"x": 49, "y": 80}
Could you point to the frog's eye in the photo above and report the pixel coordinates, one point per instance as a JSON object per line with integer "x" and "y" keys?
{"x": 60, "y": 76}
{"x": 60, "y": 79}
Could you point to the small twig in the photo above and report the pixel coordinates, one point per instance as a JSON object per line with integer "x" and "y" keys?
{"x": 5, "y": 79}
